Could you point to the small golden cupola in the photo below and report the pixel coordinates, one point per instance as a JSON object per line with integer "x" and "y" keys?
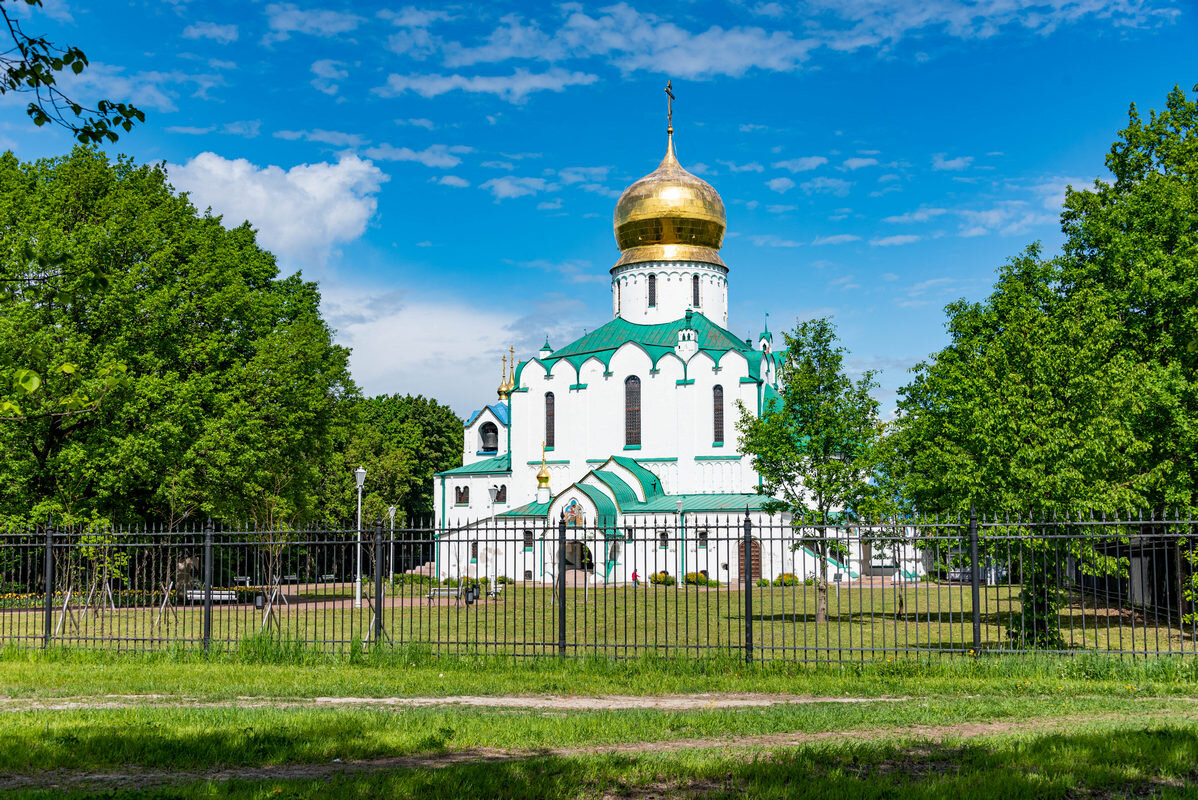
{"x": 670, "y": 214}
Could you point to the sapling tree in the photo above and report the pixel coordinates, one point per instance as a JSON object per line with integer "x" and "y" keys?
{"x": 813, "y": 446}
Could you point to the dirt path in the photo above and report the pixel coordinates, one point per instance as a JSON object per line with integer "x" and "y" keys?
{"x": 142, "y": 778}
{"x": 679, "y": 702}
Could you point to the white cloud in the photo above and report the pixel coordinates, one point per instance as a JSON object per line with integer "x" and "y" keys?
{"x": 890, "y": 176}
{"x": 508, "y": 187}
{"x": 1051, "y": 191}
{"x": 919, "y": 215}
{"x": 1007, "y": 218}
{"x": 749, "y": 127}
{"x": 451, "y": 350}
{"x": 891, "y": 241}
{"x": 939, "y": 162}
{"x": 780, "y": 209}
{"x": 328, "y": 72}
{"x": 419, "y": 122}
{"x": 858, "y": 163}
{"x": 301, "y": 214}
{"x": 822, "y": 185}
{"x": 146, "y": 90}
{"x": 804, "y": 164}
{"x": 780, "y": 185}
{"x": 840, "y": 238}
{"x": 249, "y": 128}
{"x": 436, "y": 155}
{"x": 454, "y": 181}
{"x": 498, "y": 165}
{"x": 772, "y": 240}
{"x": 334, "y": 138}
{"x": 514, "y": 88}
{"x": 752, "y": 166}
{"x": 571, "y": 175}
{"x": 550, "y": 205}
{"x": 284, "y": 19}
{"x": 210, "y": 30}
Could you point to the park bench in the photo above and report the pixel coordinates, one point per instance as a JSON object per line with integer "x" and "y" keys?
{"x": 445, "y": 591}
{"x": 291, "y": 579}
{"x": 328, "y": 577}
{"x": 244, "y": 580}
{"x": 495, "y": 590}
{"x": 218, "y": 596}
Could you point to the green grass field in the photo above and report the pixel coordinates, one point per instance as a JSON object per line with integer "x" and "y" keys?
{"x": 863, "y": 623}
{"x": 278, "y": 719}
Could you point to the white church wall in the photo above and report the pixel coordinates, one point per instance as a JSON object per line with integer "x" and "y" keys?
{"x": 674, "y": 292}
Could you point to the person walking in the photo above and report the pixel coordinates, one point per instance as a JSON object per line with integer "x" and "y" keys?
{"x": 636, "y": 579}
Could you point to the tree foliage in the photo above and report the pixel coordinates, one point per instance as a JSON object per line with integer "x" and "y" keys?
{"x": 32, "y": 66}
{"x": 1073, "y": 386}
{"x": 230, "y": 383}
{"x": 814, "y": 447}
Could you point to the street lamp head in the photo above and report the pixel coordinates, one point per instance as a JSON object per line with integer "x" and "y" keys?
{"x": 678, "y": 505}
{"x": 494, "y": 492}
{"x": 391, "y": 513}
{"x": 360, "y": 476}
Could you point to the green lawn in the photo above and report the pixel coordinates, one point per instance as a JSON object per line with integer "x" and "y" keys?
{"x": 863, "y": 623}
{"x": 993, "y": 727}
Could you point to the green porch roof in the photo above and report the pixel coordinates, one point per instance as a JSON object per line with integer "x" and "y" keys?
{"x": 488, "y": 466}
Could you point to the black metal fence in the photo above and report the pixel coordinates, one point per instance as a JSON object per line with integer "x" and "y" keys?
{"x": 676, "y": 585}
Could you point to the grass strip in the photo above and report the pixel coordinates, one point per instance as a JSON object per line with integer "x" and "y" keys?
{"x": 1108, "y": 760}
{"x": 191, "y": 738}
{"x": 282, "y": 669}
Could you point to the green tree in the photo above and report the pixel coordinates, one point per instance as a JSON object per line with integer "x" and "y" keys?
{"x": 231, "y": 385}
{"x": 401, "y": 441}
{"x": 814, "y": 448}
{"x": 1073, "y": 385}
{"x": 32, "y": 66}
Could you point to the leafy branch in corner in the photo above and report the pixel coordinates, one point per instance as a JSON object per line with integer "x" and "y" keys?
{"x": 31, "y": 65}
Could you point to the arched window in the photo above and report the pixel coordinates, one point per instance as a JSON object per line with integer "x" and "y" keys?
{"x": 461, "y": 495}
{"x": 695, "y": 291}
{"x": 632, "y": 411}
{"x": 488, "y": 438}
{"x": 652, "y": 291}
{"x": 717, "y": 413}
{"x": 549, "y": 419}
{"x": 501, "y": 493}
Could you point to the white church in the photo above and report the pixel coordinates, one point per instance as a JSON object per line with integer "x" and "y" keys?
{"x": 628, "y": 433}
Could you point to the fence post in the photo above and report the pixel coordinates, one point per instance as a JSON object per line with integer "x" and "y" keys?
{"x": 49, "y": 585}
{"x": 378, "y": 582}
{"x": 747, "y": 561}
{"x": 975, "y": 580}
{"x": 561, "y": 582}
{"x": 207, "y": 584}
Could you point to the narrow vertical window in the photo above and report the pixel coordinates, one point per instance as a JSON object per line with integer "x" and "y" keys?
{"x": 549, "y": 419}
{"x": 695, "y": 291}
{"x": 632, "y": 411}
{"x": 501, "y": 493}
{"x": 652, "y": 291}
{"x": 717, "y": 413}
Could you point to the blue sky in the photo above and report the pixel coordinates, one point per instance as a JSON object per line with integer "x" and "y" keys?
{"x": 447, "y": 172}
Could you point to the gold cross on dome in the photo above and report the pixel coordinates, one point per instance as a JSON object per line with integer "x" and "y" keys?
{"x": 670, "y": 106}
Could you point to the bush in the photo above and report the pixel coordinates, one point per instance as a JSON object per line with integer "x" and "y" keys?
{"x": 662, "y": 579}
{"x": 763, "y": 582}
{"x": 504, "y": 579}
{"x": 786, "y": 579}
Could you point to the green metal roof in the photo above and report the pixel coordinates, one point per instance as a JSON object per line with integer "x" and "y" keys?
{"x": 622, "y": 491}
{"x": 533, "y": 509}
{"x": 649, "y": 482}
{"x": 605, "y": 509}
{"x": 487, "y": 466}
{"x": 700, "y": 503}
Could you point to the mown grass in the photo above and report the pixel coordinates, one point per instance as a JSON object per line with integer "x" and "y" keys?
{"x": 1105, "y": 760}
{"x": 622, "y": 621}
{"x": 195, "y": 738}
{"x": 268, "y": 667}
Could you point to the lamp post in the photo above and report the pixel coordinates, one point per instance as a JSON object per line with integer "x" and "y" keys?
{"x": 360, "y": 477}
{"x": 391, "y": 513}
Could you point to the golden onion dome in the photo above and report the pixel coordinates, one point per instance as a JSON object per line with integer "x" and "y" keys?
{"x": 670, "y": 215}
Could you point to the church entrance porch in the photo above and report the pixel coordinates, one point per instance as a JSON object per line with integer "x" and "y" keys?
{"x": 578, "y": 556}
